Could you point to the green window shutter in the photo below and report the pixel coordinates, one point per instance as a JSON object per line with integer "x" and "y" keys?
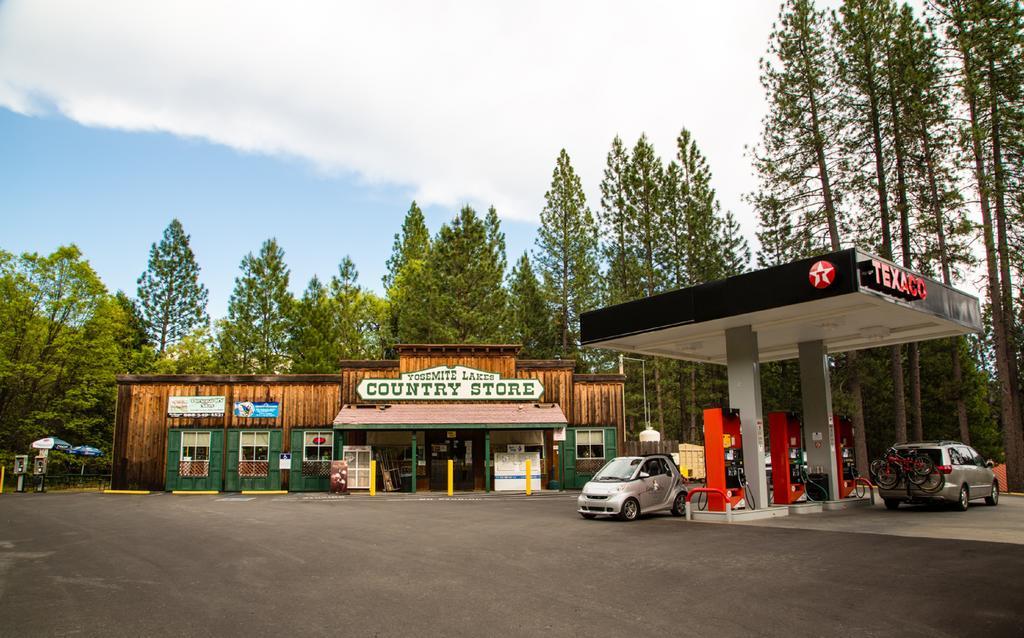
{"x": 274, "y": 475}
{"x": 231, "y": 481}
{"x": 216, "y": 460}
{"x": 570, "y": 458}
{"x": 296, "y": 482}
{"x": 610, "y": 449}
{"x": 173, "y": 456}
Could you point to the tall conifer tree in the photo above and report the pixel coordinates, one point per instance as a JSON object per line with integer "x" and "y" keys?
{"x": 530, "y": 320}
{"x": 173, "y": 300}
{"x": 567, "y": 254}
{"x": 253, "y": 339}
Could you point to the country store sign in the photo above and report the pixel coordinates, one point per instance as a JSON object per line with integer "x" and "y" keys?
{"x": 444, "y": 383}
{"x": 195, "y": 407}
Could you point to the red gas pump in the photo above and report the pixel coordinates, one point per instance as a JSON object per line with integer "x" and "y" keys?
{"x": 846, "y": 465}
{"x": 723, "y": 457}
{"x": 788, "y": 469}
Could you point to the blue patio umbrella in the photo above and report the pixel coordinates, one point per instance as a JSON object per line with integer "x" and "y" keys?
{"x": 85, "y": 450}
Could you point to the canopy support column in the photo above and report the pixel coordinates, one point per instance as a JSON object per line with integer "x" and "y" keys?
{"x": 819, "y": 433}
{"x": 745, "y": 395}
{"x": 412, "y": 478}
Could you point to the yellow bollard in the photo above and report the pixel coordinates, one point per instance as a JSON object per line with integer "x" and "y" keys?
{"x": 373, "y": 478}
{"x": 451, "y": 476}
{"x": 529, "y": 483}
{"x": 3, "y": 475}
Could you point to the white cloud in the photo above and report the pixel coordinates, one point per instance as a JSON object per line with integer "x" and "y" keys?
{"x": 458, "y": 101}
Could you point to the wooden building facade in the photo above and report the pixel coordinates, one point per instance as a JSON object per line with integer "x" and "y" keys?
{"x": 248, "y": 425}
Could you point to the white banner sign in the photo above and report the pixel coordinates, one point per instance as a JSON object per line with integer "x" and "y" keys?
{"x": 195, "y": 407}
{"x": 445, "y": 383}
{"x": 510, "y": 471}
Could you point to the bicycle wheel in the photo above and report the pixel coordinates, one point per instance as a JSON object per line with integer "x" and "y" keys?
{"x": 921, "y": 468}
{"x": 887, "y": 475}
{"x": 932, "y": 483}
{"x": 860, "y": 489}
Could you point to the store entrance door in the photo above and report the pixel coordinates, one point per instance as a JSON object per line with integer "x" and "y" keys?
{"x": 460, "y": 451}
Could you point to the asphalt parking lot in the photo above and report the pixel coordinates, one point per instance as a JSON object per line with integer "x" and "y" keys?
{"x": 106, "y": 565}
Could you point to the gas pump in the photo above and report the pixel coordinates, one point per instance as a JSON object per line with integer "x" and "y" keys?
{"x": 789, "y": 467}
{"x": 20, "y": 470}
{"x": 723, "y": 457}
{"x": 846, "y": 465}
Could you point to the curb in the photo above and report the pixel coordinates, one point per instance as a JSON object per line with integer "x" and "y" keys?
{"x": 191, "y": 493}
{"x": 127, "y": 492}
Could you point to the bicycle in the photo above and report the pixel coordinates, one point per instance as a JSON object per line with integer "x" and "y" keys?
{"x": 918, "y": 469}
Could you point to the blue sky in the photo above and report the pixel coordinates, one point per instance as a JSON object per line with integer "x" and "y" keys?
{"x": 112, "y": 193}
{"x": 319, "y": 125}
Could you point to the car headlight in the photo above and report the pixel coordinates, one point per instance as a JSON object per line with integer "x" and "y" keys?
{"x": 620, "y": 488}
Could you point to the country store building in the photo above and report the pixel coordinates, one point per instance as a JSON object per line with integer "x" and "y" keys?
{"x": 478, "y": 405}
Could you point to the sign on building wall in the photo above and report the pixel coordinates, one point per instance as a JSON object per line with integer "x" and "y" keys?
{"x": 195, "y": 407}
{"x": 257, "y": 409}
{"x": 444, "y": 383}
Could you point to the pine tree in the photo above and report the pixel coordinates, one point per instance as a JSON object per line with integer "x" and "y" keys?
{"x": 359, "y": 315}
{"x": 798, "y": 157}
{"x": 253, "y": 339}
{"x": 621, "y": 284}
{"x": 645, "y": 177}
{"x": 407, "y": 282}
{"x": 466, "y": 301}
{"x": 313, "y": 339}
{"x": 985, "y": 36}
{"x": 567, "y": 254}
{"x": 529, "y": 314}
{"x": 735, "y": 253}
{"x": 172, "y": 299}
{"x": 412, "y": 244}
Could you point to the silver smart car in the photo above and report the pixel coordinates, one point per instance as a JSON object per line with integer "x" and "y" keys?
{"x": 964, "y": 474}
{"x": 629, "y": 485}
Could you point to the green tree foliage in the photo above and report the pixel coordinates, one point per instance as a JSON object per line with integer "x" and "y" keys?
{"x": 62, "y": 339}
{"x": 613, "y": 217}
{"x": 567, "y": 254}
{"x": 530, "y": 321}
{"x": 798, "y": 156}
{"x": 172, "y": 299}
{"x": 253, "y": 338}
{"x": 329, "y": 324}
{"x": 460, "y": 296}
{"x": 195, "y": 353}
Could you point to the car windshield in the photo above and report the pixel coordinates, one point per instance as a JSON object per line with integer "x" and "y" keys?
{"x": 620, "y": 469}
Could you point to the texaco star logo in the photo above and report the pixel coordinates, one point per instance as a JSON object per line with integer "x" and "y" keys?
{"x": 822, "y": 274}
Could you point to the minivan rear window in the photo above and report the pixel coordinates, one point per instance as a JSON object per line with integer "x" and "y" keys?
{"x": 934, "y": 453}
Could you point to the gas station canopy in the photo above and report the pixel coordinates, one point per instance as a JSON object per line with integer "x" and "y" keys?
{"x": 847, "y": 300}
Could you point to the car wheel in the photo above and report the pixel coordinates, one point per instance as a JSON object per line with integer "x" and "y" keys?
{"x": 964, "y": 501}
{"x": 891, "y": 504}
{"x": 679, "y": 504}
{"x": 588, "y": 516}
{"x": 630, "y": 510}
{"x": 994, "y": 498}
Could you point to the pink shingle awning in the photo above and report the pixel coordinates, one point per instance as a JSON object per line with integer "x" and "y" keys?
{"x": 482, "y": 416}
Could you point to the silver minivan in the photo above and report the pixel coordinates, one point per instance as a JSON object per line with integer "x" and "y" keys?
{"x": 630, "y": 485}
{"x": 965, "y": 476}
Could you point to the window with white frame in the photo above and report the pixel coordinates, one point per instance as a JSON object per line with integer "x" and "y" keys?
{"x": 590, "y": 444}
{"x": 195, "y": 455}
{"x": 254, "y": 457}
{"x": 316, "y": 453}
